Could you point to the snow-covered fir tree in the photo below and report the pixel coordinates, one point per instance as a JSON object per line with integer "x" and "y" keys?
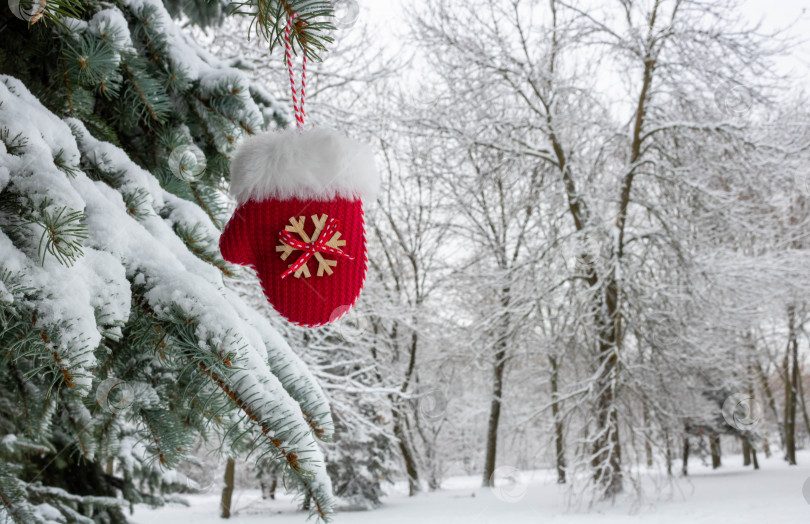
{"x": 122, "y": 345}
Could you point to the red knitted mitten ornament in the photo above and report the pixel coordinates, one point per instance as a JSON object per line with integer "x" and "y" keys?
{"x": 299, "y": 221}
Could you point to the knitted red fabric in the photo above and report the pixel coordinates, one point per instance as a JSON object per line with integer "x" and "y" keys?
{"x": 251, "y": 237}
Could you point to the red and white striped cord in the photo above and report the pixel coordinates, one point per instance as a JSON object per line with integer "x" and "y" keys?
{"x": 298, "y": 108}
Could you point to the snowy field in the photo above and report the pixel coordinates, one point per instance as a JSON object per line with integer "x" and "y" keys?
{"x": 729, "y": 495}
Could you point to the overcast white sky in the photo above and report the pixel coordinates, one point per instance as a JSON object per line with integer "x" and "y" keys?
{"x": 773, "y": 13}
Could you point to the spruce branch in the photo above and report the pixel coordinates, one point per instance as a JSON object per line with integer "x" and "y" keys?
{"x": 60, "y": 162}
{"x": 145, "y": 93}
{"x": 13, "y": 495}
{"x": 42, "y": 11}
{"x": 15, "y": 145}
{"x": 136, "y": 202}
{"x": 224, "y": 102}
{"x": 309, "y": 32}
{"x": 209, "y": 204}
{"x": 63, "y": 233}
{"x": 219, "y": 367}
{"x": 289, "y": 456}
{"x": 93, "y": 63}
{"x": 197, "y": 242}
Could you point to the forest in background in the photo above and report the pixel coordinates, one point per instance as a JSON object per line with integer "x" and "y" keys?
{"x": 590, "y": 249}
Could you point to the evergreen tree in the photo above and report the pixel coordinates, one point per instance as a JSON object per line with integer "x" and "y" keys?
{"x": 363, "y": 453}
{"x": 362, "y": 457}
{"x": 121, "y": 343}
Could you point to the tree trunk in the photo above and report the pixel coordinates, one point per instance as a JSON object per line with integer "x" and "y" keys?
{"x": 714, "y": 444}
{"x": 790, "y": 389}
{"x": 268, "y": 489}
{"x": 766, "y": 388}
{"x": 648, "y": 453}
{"x": 494, "y": 416}
{"x": 559, "y": 435}
{"x": 498, "y": 368}
{"x": 668, "y": 454}
{"x": 800, "y": 385}
{"x": 607, "y": 460}
{"x": 407, "y": 455}
{"x": 786, "y": 410}
{"x": 754, "y": 457}
{"x": 685, "y": 466}
{"x": 645, "y": 413}
{"x": 746, "y": 449}
{"x": 227, "y": 491}
{"x": 429, "y": 442}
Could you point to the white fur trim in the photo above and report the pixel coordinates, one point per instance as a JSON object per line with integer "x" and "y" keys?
{"x": 314, "y": 164}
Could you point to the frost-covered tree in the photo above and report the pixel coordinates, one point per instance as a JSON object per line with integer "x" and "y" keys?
{"x": 645, "y": 114}
{"x": 121, "y": 343}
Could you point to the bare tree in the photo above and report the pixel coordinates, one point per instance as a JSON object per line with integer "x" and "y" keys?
{"x": 613, "y": 140}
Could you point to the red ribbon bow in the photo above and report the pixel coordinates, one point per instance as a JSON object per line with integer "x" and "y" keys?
{"x": 310, "y": 248}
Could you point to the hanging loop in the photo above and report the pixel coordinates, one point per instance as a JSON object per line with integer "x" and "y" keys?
{"x": 298, "y": 104}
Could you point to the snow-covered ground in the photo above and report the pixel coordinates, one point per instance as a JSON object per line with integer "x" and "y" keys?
{"x": 774, "y": 494}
